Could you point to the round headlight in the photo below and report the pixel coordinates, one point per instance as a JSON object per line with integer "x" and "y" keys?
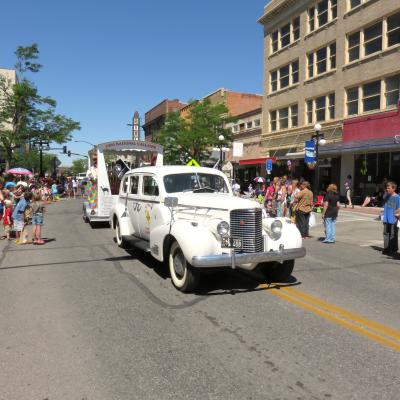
{"x": 276, "y": 230}
{"x": 223, "y": 228}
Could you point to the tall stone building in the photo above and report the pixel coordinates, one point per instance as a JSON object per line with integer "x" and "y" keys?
{"x": 336, "y": 63}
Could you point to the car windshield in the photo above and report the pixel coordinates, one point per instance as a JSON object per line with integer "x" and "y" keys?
{"x": 194, "y": 182}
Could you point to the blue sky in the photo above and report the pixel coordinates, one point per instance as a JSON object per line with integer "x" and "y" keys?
{"x": 104, "y": 59}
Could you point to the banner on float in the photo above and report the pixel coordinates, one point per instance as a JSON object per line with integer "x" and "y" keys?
{"x": 309, "y": 155}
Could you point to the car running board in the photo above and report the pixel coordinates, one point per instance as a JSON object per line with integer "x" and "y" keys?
{"x": 139, "y": 243}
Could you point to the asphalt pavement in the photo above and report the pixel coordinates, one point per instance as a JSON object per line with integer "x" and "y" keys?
{"x": 83, "y": 319}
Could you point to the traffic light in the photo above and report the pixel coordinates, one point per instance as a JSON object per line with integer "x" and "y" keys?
{"x": 65, "y": 149}
{"x": 69, "y": 153}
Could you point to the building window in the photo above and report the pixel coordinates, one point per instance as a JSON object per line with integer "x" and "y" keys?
{"x": 275, "y": 41}
{"x": 373, "y": 39}
{"x": 235, "y": 128}
{"x": 354, "y": 3}
{"x": 242, "y": 127}
{"x": 370, "y": 39}
{"x": 322, "y": 12}
{"x": 354, "y": 46}
{"x": 332, "y": 56}
{"x": 311, "y": 19}
{"x": 285, "y": 35}
{"x": 284, "y": 118}
{"x": 392, "y": 90}
{"x": 256, "y": 123}
{"x": 310, "y": 64}
{"x": 295, "y": 71}
{"x": 321, "y": 109}
{"x": 284, "y": 77}
{"x": 309, "y": 111}
{"x": 296, "y": 29}
{"x": 331, "y": 106}
{"x": 273, "y": 120}
{"x": 333, "y": 9}
{"x": 274, "y": 81}
{"x": 249, "y": 125}
{"x": 352, "y": 101}
{"x": 371, "y": 96}
{"x": 321, "y": 60}
{"x": 393, "y": 30}
{"x": 294, "y": 111}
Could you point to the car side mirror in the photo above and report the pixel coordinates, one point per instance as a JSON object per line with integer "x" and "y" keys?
{"x": 171, "y": 202}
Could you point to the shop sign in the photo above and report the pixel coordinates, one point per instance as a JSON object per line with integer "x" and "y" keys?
{"x": 237, "y": 149}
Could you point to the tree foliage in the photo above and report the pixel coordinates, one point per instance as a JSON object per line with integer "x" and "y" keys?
{"x": 78, "y": 166}
{"x": 31, "y": 161}
{"x": 25, "y": 115}
{"x": 194, "y": 137}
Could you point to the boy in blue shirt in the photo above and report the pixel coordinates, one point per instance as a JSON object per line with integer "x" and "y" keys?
{"x": 390, "y": 229}
{"x": 18, "y": 215}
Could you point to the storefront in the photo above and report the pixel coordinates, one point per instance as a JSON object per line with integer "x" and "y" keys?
{"x": 370, "y": 152}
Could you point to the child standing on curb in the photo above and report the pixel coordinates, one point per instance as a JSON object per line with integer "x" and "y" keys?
{"x": 18, "y": 216}
{"x": 37, "y": 219}
{"x": 7, "y": 218}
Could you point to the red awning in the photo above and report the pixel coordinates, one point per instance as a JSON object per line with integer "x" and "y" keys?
{"x": 256, "y": 161}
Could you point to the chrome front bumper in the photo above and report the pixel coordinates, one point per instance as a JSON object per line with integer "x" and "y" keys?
{"x": 247, "y": 260}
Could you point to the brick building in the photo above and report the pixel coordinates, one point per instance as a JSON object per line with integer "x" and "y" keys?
{"x": 236, "y": 102}
{"x": 155, "y": 117}
{"x": 336, "y": 63}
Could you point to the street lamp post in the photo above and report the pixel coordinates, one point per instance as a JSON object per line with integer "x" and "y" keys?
{"x": 221, "y": 138}
{"x": 319, "y": 139}
{"x": 84, "y": 141}
{"x": 41, "y": 145}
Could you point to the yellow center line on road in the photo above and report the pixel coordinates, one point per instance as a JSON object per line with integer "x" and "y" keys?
{"x": 372, "y": 330}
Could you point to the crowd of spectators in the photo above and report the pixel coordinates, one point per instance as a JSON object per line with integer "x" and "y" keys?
{"x": 22, "y": 204}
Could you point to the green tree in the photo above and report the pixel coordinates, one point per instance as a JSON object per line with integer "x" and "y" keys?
{"x": 30, "y": 160}
{"x": 24, "y": 114}
{"x": 195, "y": 136}
{"x": 79, "y": 165}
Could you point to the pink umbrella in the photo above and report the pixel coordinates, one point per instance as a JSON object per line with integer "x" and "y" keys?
{"x": 19, "y": 171}
{"x": 259, "y": 179}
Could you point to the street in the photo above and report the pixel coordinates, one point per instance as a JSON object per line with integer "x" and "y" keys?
{"x": 83, "y": 319}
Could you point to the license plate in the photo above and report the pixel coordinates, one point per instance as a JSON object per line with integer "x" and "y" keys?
{"x": 231, "y": 243}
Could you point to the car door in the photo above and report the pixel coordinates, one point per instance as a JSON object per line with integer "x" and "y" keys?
{"x": 150, "y": 196}
{"x": 134, "y": 204}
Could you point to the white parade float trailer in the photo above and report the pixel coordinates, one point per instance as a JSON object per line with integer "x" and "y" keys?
{"x": 108, "y": 163}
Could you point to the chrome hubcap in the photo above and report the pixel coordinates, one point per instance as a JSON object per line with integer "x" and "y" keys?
{"x": 179, "y": 264}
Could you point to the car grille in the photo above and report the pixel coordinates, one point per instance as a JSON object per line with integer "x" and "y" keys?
{"x": 247, "y": 225}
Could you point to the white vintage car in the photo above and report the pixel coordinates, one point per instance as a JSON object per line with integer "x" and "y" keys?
{"x": 189, "y": 217}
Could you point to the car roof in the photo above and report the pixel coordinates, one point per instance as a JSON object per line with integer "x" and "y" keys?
{"x": 174, "y": 169}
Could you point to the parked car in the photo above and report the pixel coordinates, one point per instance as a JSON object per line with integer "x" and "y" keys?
{"x": 188, "y": 217}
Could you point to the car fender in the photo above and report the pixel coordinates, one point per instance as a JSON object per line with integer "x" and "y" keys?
{"x": 290, "y": 238}
{"x": 118, "y": 213}
{"x": 189, "y": 234}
